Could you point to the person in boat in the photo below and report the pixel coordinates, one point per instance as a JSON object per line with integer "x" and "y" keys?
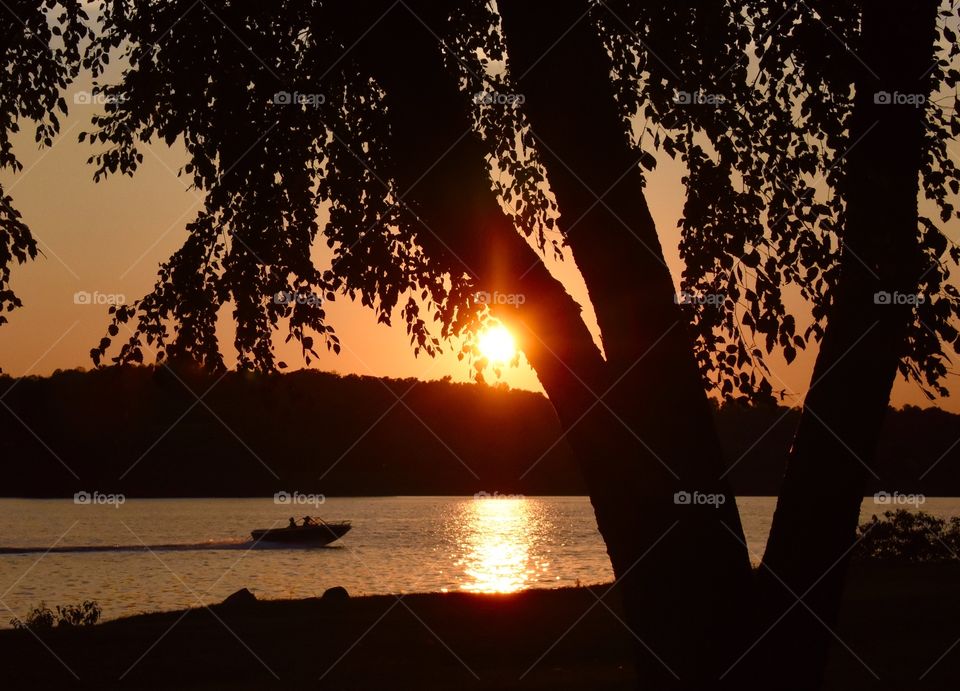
{"x": 293, "y": 522}
{"x": 308, "y": 522}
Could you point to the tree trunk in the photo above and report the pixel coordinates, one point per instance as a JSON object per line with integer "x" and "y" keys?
{"x": 678, "y": 599}
{"x": 570, "y": 102}
{"x": 818, "y": 510}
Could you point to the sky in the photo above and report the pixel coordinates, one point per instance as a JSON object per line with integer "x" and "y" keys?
{"x": 103, "y": 242}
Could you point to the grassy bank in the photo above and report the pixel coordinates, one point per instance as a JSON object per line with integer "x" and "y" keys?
{"x": 898, "y": 620}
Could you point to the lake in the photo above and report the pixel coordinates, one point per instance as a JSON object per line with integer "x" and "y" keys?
{"x": 200, "y": 549}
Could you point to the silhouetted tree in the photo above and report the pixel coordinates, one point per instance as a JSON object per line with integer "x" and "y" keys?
{"x": 367, "y": 113}
{"x": 887, "y": 149}
{"x": 688, "y": 51}
{"x": 562, "y": 69}
{"x": 40, "y": 51}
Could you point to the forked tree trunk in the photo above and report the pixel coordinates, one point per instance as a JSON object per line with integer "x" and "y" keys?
{"x": 563, "y": 71}
{"x": 818, "y": 510}
{"x": 675, "y": 563}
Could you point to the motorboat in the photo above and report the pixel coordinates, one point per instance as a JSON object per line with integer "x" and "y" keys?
{"x": 316, "y": 533}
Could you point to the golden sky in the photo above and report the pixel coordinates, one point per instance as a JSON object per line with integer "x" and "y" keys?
{"x": 107, "y": 239}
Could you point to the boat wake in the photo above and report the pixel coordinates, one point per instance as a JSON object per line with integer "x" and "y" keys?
{"x": 209, "y": 546}
{"x": 175, "y": 547}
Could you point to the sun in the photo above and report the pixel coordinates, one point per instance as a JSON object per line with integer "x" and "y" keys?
{"x": 497, "y": 345}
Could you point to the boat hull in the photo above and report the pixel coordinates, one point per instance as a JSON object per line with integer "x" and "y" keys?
{"x": 316, "y": 535}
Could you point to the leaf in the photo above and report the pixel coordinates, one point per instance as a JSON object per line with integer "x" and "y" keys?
{"x": 648, "y": 160}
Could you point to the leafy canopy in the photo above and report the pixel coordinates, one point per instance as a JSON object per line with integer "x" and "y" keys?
{"x": 288, "y": 138}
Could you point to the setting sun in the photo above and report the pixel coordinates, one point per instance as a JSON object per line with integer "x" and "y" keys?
{"x": 497, "y": 344}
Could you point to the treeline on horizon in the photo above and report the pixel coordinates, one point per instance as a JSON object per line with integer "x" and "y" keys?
{"x": 147, "y": 431}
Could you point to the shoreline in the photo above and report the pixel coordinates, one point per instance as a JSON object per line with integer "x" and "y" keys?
{"x": 897, "y": 620}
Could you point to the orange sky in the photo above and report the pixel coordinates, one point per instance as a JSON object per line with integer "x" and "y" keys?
{"x": 109, "y": 238}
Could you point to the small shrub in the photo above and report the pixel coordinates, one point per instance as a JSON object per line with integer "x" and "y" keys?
{"x": 910, "y": 537}
{"x": 86, "y": 613}
{"x": 42, "y": 618}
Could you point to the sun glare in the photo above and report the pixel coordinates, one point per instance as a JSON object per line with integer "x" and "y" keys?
{"x": 499, "y": 535}
{"x": 497, "y": 345}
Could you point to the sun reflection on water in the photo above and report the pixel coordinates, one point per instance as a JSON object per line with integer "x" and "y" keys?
{"x": 496, "y": 541}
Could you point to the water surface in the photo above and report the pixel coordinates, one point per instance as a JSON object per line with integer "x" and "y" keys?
{"x": 164, "y": 554}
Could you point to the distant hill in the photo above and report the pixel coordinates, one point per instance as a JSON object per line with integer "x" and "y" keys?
{"x": 919, "y": 449}
{"x": 143, "y": 432}
{"x": 257, "y": 434}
